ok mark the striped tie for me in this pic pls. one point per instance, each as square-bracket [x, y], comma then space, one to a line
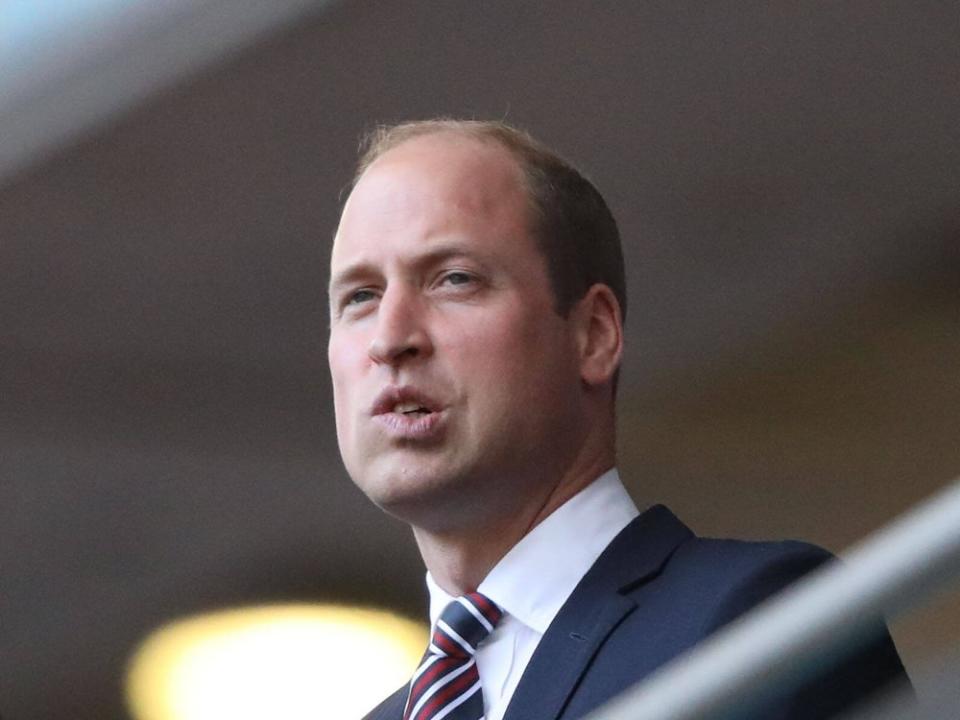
[447, 684]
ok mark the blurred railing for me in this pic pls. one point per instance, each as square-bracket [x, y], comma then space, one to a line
[781, 644]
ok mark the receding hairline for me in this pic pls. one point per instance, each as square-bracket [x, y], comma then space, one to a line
[468, 148]
[386, 142]
[384, 138]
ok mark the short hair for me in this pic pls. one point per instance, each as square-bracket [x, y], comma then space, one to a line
[572, 224]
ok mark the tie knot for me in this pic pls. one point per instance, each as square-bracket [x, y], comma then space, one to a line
[464, 624]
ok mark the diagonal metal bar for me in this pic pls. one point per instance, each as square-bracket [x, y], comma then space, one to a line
[777, 646]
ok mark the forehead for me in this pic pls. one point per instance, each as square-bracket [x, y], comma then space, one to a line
[435, 184]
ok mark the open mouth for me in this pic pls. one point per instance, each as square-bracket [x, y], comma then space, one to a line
[406, 414]
[406, 405]
[411, 409]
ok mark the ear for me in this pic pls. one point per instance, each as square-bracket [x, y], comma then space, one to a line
[599, 335]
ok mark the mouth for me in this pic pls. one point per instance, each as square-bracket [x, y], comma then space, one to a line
[406, 413]
[411, 409]
[406, 401]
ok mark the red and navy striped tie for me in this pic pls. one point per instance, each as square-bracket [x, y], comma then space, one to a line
[447, 684]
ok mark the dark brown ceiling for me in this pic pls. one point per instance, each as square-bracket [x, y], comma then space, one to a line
[786, 177]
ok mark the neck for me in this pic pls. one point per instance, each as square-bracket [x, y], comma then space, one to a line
[459, 560]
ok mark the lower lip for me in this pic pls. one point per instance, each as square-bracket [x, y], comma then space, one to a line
[421, 428]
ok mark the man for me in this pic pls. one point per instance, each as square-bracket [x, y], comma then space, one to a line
[477, 296]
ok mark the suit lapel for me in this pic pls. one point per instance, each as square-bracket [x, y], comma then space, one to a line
[592, 612]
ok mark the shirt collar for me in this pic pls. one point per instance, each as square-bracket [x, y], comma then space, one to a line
[576, 532]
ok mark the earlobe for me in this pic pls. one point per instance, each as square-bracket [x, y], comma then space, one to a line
[599, 335]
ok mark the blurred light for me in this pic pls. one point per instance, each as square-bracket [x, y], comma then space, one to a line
[283, 662]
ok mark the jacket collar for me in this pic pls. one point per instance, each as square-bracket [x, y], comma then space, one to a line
[596, 607]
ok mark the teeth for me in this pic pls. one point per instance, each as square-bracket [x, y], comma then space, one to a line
[407, 407]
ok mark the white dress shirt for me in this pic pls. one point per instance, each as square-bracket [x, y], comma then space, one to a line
[533, 581]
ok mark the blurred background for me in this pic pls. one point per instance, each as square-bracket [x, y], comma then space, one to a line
[787, 181]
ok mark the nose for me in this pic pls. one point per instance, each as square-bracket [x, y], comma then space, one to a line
[401, 332]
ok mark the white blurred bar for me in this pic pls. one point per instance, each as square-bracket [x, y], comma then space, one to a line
[892, 570]
[62, 74]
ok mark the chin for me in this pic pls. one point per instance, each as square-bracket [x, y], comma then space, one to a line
[389, 489]
[427, 501]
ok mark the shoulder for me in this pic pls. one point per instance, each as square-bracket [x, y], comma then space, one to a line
[661, 565]
[708, 582]
[686, 587]
[743, 558]
[739, 574]
[680, 587]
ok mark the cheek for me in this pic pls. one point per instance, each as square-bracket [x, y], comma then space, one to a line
[345, 346]
[341, 418]
[505, 354]
[344, 358]
[347, 357]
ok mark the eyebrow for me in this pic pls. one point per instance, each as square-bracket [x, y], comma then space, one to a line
[349, 276]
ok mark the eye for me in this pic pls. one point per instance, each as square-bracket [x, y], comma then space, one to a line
[457, 277]
[359, 296]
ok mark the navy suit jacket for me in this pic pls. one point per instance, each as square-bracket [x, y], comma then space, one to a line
[653, 593]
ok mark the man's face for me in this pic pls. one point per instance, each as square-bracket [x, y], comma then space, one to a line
[456, 384]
